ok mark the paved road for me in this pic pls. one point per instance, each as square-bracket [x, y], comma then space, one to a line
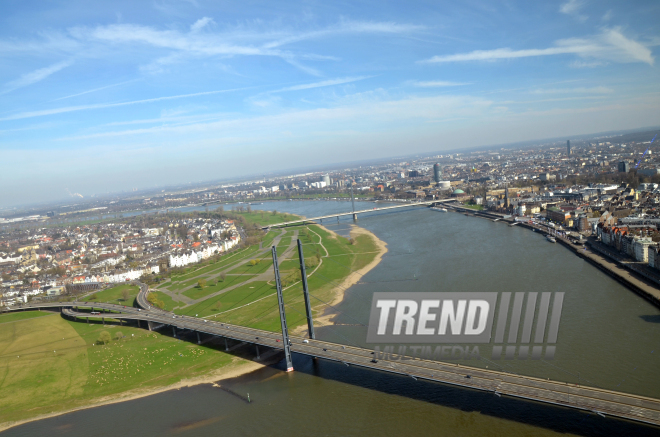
[606, 402]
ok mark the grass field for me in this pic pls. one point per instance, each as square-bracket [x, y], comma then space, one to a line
[114, 295]
[49, 364]
[22, 315]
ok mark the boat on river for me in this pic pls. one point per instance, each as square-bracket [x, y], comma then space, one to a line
[551, 238]
[439, 209]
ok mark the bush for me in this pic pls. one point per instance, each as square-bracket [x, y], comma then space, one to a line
[118, 335]
[104, 338]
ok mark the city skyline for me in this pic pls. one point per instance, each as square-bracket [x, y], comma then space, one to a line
[172, 92]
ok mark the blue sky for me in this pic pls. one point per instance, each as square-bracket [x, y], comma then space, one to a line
[129, 94]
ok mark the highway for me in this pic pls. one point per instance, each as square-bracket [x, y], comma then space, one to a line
[600, 401]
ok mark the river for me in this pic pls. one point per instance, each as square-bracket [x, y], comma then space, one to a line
[609, 337]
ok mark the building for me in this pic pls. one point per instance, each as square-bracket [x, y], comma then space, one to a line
[437, 173]
[648, 171]
[326, 178]
[568, 147]
[557, 215]
[624, 167]
[413, 174]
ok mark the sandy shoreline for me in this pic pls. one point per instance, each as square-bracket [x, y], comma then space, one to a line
[354, 277]
[238, 367]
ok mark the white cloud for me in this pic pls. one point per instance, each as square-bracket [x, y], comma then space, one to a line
[346, 27]
[200, 24]
[93, 90]
[586, 64]
[323, 83]
[31, 114]
[34, 76]
[572, 7]
[579, 90]
[437, 83]
[610, 45]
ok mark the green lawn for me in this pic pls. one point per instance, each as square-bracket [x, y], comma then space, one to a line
[114, 295]
[22, 315]
[239, 296]
[51, 364]
[263, 314]
[170, 304]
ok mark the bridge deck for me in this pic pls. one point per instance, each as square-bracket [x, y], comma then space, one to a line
[628, 406]
[341, 214]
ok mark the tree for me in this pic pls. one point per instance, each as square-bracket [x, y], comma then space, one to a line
[118, 335]
[125, 295]
[274, 212]
[201, 283]
[249, 209]
[104, 338]
[352, 241]
[223, 276]
[254, 262]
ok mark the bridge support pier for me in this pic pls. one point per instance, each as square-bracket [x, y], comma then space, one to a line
[199, 341]
[103, 320]
[257, 346]
[174, 330]
[226, 345]
[88, 320]
[354, 217]
[138, 320]
[121, 322]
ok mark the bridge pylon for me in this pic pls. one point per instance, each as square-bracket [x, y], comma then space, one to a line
[308, 307]
[280, 303]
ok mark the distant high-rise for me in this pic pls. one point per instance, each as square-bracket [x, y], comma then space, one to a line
[568, 147]
[326, 178]
[624, 167]
[437, 173]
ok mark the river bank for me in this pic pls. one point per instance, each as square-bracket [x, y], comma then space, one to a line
[328, 316]
[239, 367]
[598, 258]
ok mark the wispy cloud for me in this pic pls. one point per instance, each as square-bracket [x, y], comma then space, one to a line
[586, 64]
[437, 83]
[22, 115]
[610, 45]
[346, 27]
[200, 24]
[579, 90]
[34, 76]
[572, 7]
[323, 83]
[93, 91]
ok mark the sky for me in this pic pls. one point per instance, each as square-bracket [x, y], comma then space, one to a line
[113, 95]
